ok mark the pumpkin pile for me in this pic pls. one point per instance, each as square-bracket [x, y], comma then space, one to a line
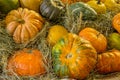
[59, 39]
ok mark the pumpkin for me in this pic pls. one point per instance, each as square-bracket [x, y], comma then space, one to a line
[98, 6]
[8, 5]
[73, 57]
[114, 41]
[116, 22]
[51, 9]
[26, 62]
[108, 62]
[55, 33]
[23, 24]
[97, 39]
[112, 5]
[31, 4]
[88, 13]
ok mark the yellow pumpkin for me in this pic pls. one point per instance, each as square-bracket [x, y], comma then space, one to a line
[31, 4]
[23, 24]
[55, 33]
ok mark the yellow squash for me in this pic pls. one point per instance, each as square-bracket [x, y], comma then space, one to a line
[98, 6]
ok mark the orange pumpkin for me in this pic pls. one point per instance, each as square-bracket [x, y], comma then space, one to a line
[23, 24]
[108, 62]
[27, 62]
[97, 39]
[73, 57]
[116, 22]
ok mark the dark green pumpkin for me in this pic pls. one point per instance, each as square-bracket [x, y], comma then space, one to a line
[7, 5]
[88, 13]
[51, 9]
[73, 57]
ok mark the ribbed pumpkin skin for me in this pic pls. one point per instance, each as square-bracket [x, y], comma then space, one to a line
[23, 24]
[116, 22]
[97, 39]
[27, 62]
[108, 62]
[73, 57]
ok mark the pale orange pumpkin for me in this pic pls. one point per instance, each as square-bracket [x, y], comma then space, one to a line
[97, 39]
[23, 24]
[26, 62]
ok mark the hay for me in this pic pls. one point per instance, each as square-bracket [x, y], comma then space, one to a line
[8, 46]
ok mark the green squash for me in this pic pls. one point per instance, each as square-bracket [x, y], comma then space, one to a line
[114, 41]
[51, 9]
[88, 13]
[73, 57]
[7, 5]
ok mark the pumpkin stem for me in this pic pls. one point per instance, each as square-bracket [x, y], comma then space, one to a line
[98, 2]
[29, 51]
[20, 21]
[68, 56]
[98, 34]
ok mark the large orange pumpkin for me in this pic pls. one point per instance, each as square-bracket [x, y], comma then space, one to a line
[73, 57]
[97, 39]
[116, 22]
[27, 62]
[23, 24]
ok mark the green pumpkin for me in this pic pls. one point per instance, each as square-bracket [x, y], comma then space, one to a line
[7, 5]
[88, 13]
[73, 57]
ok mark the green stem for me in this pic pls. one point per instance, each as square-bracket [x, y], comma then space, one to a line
[20, 21]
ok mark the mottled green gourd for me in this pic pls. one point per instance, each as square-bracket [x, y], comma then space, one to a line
[88, 13]
[73, 57]
[7, 5]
